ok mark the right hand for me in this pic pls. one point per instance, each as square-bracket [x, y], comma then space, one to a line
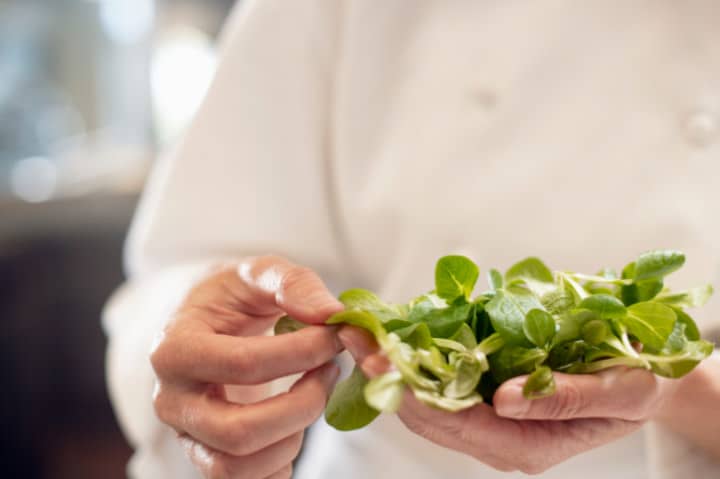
[215, 339]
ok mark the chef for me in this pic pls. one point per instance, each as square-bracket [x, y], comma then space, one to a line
[350, 143]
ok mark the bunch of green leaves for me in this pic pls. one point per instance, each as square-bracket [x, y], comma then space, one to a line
[453, 350]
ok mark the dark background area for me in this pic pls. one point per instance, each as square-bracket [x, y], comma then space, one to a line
[59, 263]
[91, 92]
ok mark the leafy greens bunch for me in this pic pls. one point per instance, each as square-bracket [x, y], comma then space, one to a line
[453, 350]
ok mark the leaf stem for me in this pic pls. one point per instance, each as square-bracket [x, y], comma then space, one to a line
[633, 362]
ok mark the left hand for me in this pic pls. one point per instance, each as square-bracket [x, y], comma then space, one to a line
[587, 411]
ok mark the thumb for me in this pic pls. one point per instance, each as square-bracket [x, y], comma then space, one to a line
[275, 282]
[620, 393]
[364, 349]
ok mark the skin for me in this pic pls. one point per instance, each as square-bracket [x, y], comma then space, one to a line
[215, 341]
[587, 411]
[213, 347]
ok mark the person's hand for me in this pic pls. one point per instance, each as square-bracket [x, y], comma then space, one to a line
[215, 340]
[530, 436]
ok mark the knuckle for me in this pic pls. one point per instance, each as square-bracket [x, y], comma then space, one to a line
[243, 360]
[162, 403]
[296, 443]
[219, 467]
[160, 359]
[295, 278]
[313, 405]
[642, 407]
[501, 466]
[238, 438]
[313, 347]
[284, 473]
[420, 427]
[567, 404]
[251, 268]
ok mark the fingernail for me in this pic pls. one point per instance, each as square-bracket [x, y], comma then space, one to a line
[322, 301]
[339, 345]
[346, 338]
[331, 372]
[511, 402]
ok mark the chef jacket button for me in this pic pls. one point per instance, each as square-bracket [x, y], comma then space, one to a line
[485, 98]
[702, 128]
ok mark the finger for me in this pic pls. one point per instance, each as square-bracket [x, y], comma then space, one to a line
[631, 394]
[240, 430]
[222, 359]
[359, 342]
[273, 461]
[297, 290]
[508, 445]
[375, 365]
[476, 431]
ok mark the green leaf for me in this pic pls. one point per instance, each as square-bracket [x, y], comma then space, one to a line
[490, 344]
[565, 354]
[604, 306]
[385, 392]
[533, 272]
[468, 371]
[360, 319]
[465, 336]
[539, 384]
[691, 330]
[482, 325]
[434, 362]
[513, 361]
[407, 361]
[640, 291]
[286, 325]
[680, 363]
[677, 341]
[648, 289]
[628, 271]
[539, 327]
[443, 323]
[444, 403]
[495, 279]
[569, 325]
[651, 323]
[395, 324]
[448, 345]
[558, 302]
[455, 277]
[364, 300]
[594, 332]
[627, 361]
[423, 305]
[507, 312]
[657, 263]
[603, 351]
[416, 335]
[691, 298]
[572, 287]
[347, 409]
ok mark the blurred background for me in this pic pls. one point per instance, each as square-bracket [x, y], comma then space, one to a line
[91, 91]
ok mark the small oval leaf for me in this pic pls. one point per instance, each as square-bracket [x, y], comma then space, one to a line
[539, 327]
[606, 306]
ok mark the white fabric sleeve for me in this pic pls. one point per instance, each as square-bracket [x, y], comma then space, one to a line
[251, 176]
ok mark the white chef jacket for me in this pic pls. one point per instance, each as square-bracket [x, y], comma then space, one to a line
[365, 139]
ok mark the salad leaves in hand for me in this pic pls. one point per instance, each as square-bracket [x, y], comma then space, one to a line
[452, 350]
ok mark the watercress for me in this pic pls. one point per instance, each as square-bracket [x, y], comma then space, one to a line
[452, 350]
